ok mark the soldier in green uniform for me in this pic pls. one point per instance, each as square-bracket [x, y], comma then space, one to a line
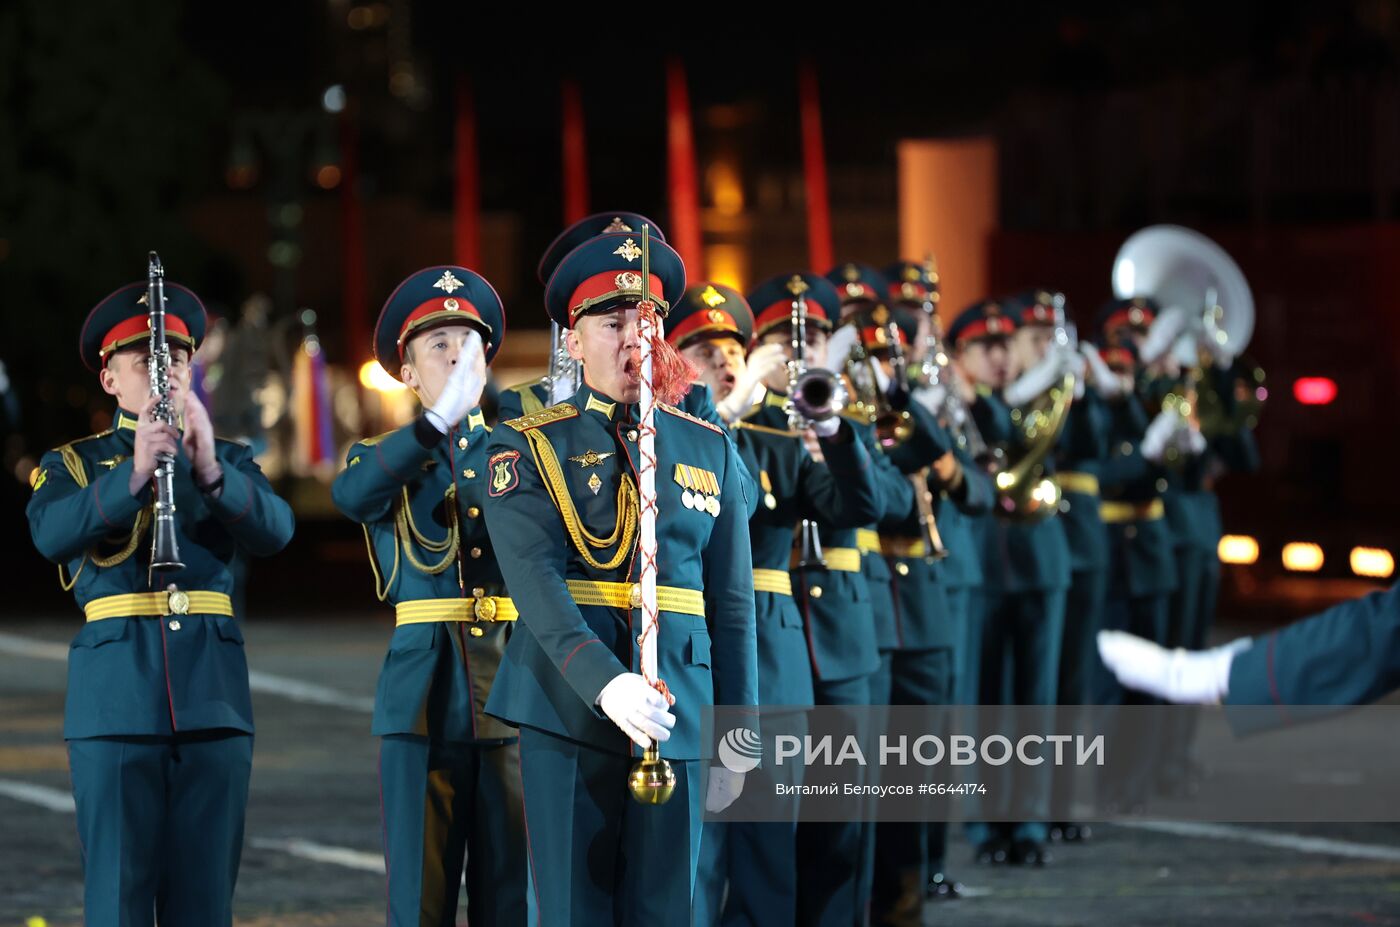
[449, 773]
[1026, 573]
[1193, 515]
[830, 592]
[158, 718]
[563, 510]
[921, 668]
[1142, 574]
[1082, 445]
[524, 398]
[711, 326]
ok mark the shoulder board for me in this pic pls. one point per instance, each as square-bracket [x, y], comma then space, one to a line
[371, 442]
[527, 386]
[686, 415]
[100, 434]
[764, 429]
[544, 416]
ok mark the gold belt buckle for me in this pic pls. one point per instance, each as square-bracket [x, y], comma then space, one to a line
[634, 596]
[484, 608]
[177, 600]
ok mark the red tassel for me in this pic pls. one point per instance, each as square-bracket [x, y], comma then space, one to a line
[671, 374]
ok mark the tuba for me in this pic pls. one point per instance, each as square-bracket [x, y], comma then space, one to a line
[1181, 268]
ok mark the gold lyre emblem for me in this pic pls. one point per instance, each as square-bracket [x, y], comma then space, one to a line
[628, 251]
[712, 297]
[591, 458]
[448, 282]
[500, 479]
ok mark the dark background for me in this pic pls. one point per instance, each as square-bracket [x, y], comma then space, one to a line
[198, 129]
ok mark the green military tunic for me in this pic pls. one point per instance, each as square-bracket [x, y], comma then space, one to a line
[158, 716]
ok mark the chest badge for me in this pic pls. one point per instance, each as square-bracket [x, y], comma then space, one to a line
[111, 462]
[595, 484]
[769, 500]
[591, 458]
[699, 489]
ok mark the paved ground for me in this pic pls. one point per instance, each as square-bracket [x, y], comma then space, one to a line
[312, 854]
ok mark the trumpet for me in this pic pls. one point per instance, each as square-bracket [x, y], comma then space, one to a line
[892, 426]
[814, 394]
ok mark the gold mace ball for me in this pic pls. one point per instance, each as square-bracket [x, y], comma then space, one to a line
[652, 779]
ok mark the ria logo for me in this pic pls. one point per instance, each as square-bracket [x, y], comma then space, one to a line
[740, 750]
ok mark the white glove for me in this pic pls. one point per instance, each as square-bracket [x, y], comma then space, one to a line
[725, 786]
[1161, 434]
[839, 346]
[765, 359]
[1185, 677]
[827, 427]
[932, 397]
[462, 391]
[1035, 381]
[1105, 381]
[637, 709]
[1224, 358]
[1163, 334]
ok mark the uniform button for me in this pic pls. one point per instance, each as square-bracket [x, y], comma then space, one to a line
[466, 474]
[1161, 485]
[1130, 532]
[478, 592]
[462, 443]
[469, 473]
[477, 632]
[816, 592]
[174, 625]
[1126, 449]
[473, 511]
[902, 569]
[476, 553]
[631, 434]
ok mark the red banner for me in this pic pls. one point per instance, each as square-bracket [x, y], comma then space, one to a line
[684, 230]
[819, 248]
[575, 154]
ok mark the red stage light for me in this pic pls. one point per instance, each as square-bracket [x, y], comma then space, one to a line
[1314, 391]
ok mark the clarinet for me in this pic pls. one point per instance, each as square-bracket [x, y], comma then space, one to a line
[165, 551]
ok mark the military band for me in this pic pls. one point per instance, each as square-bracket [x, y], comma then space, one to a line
[850, 509]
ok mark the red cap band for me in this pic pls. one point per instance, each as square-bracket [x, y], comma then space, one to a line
[711, 320]
[446, 309]
[138, 327]
[781, 311]
[613, 281]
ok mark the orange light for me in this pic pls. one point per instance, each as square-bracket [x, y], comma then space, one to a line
[1239, 549]
[375, 377]
[328, 177]
[1314, 391]
[1373, 562]
[1302, 557]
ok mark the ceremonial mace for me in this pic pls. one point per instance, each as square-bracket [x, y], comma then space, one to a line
[652, 779]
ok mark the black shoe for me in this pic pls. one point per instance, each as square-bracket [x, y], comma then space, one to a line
[994, 851]
[1028, 853]
[942, 888]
